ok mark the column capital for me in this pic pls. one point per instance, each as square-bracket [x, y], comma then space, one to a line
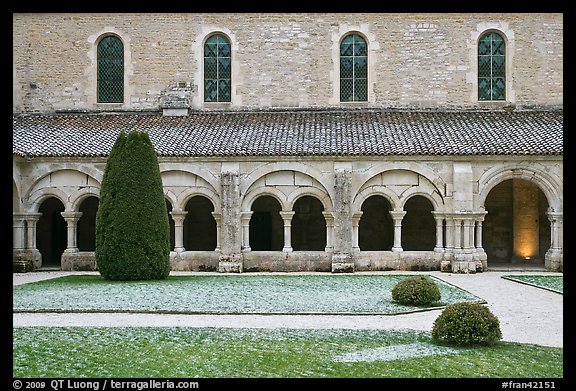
[71, 215]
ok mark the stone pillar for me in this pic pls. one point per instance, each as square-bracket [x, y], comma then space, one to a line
[397, 216]
[467, 235]
[18, 231]
[71, 219]
[481, 256]
[355, 224]
[439, 218]
[287, 218]
[25, 255]
[230, 259]
[329, 218]
[218, 220]
[178, 216]
[457, 234]
[553, 259]
[245, 222]
[342, 261]
[449, 235]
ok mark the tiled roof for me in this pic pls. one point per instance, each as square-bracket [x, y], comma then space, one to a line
[298, 133]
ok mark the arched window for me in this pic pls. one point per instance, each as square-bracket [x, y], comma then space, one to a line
[353, 69]
[217, 69]
[110, 70]
[491, 67]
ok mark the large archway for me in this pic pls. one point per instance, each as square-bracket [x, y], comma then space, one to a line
[516, 229]
[51, 233]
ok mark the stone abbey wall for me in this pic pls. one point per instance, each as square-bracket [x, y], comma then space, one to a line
[284, 60]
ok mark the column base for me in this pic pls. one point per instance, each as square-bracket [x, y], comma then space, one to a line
[24, 261]
[231, 263]
[342, 263]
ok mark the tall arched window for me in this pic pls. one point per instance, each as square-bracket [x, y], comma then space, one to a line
[217, 69]
[353, 69]
[110, 70]
[491, 67]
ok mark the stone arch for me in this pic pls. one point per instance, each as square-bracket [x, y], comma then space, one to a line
[51, 230]
[199, 225]
[64, 183]
[266, 225]
[418, 224]
[308, 230]
[36, 198]
[431, 195]
[302, 168]
[388, 194]
[77, 198]
[375, 227]
[180, 185]
[383, 168]
[200, 172]
[551, 187]
[16, 204]
[255, 193]
[324, 198]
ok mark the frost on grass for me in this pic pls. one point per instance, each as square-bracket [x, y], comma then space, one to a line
[241, 294]
[396, 352]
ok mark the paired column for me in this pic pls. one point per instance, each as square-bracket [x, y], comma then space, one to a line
[397, 217]
[287, 218]
[71, 219]
[178, 216]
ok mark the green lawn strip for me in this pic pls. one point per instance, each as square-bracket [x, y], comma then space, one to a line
[74, 352]
[227, 294]
[551, 283]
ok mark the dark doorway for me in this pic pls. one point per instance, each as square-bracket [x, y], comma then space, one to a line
[86, 229]
[418, 225]
[51, 233]
[199, 225]
[376, 228]
[266, 225]
[308, 225]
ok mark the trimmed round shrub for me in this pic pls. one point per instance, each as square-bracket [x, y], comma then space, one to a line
[467, 324]
[416, 290]
[132, 228]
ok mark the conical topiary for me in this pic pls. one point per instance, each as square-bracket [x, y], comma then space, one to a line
[132, 229]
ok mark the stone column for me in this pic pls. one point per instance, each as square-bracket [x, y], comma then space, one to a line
[18, 231]
[218, 220]
[439, 218]
[30, 254]
[397, 216]
[449, 234]
[245, 222]
[342, 261]
[329, 218]
[355, 224]
[71, 219]
[287, 218]
[178, 216]
[467, 235]
[230, 259]
[553, 259]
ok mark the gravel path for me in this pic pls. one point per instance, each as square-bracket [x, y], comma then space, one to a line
[527, 314]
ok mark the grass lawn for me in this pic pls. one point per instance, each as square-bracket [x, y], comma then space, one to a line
[267, 353]
[551, 283]
[230, 294]
[179, 352]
